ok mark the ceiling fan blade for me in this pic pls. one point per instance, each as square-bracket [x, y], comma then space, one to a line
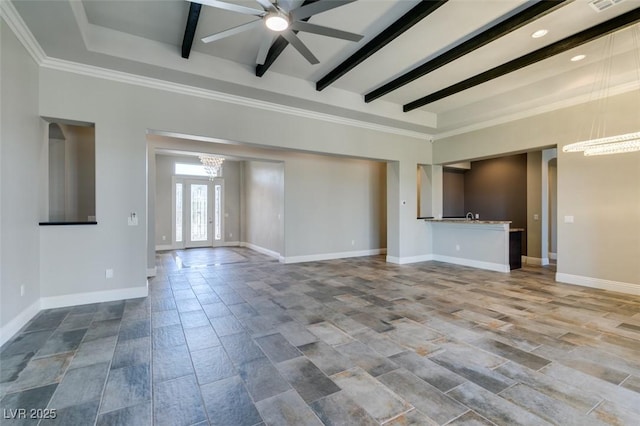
[232, 7]
[264, 47]
[289, 5]
[325, 31]
[231, 31]
[317, 7]
[299, 46]
[267, 5]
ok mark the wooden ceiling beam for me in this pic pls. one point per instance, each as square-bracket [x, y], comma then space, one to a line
[190, 28]
[586, 36]
[520, 19]
[409, 19]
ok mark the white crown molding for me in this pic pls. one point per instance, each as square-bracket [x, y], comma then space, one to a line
[565, 103]
[617, 286]
[22, 32]
[20, 29]
[152, 83]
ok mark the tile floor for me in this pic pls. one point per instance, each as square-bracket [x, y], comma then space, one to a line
[229, 337]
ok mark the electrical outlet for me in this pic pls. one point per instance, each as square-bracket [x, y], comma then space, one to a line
[353, 242]
[536, 217]
[132, 219]
[108, 273]
[568, 219]
[164, 238]
[230, 235]
[457, 247]
[477, 215]
[22, 290]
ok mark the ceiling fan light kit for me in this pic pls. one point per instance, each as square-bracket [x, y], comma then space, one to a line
[277, 21]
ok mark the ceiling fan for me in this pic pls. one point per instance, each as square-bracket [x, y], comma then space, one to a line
[282, 18]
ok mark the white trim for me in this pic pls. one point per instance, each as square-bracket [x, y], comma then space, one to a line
[152, 272]
[498, 267]
[163, 247]
[545, 261]
[19, 321]
[411, 259]
[331, 256]
[528, 260]
[167, 86]
[549, 107]
[617, 286]
[262, 250]
[553, 256]
[93, 297]
[22, 32]
[230, 244]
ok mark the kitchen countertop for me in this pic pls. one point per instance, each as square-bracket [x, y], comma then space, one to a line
[471, 222]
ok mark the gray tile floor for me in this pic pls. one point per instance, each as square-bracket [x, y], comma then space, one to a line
[229, 337]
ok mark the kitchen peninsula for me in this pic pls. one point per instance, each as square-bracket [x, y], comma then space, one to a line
[477, 243]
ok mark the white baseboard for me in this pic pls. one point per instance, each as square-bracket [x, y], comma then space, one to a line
[151, 272]
[409, 259]
[164, 247]
[331, 256]
[553, 256]
[545, 261]
[93, 297]
[617, 286]
[262, 250]
[9, 330]
[537, 261]
[231, 244]
[498, 267]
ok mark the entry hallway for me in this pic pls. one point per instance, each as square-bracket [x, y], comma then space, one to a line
[230, 337]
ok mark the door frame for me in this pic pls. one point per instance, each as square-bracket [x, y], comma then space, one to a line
[186, 181]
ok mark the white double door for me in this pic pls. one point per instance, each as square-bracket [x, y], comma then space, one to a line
[201, 217]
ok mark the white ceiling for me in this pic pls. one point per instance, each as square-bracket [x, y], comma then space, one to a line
[144, 37]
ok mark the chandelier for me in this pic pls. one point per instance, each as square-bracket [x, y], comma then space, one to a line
[597, 144]
[212, 165]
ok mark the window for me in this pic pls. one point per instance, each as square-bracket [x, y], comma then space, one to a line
[72, 174]
[190, 170]
[178, 212]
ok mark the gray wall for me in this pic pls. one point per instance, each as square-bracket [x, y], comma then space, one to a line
[264, 205]
[23, 148]
[553, 205]
[163, 193]
[335, 205]
[453, 193]
[534, 204]
[497, 189]
[80, 180]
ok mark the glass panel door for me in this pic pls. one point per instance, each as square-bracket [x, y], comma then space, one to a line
[198, 214]
[199, 221]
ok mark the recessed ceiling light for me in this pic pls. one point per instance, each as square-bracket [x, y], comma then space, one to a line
[539, 33]
[578, 58]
